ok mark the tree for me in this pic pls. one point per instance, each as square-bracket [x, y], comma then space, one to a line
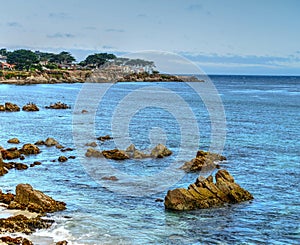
[3, 52]
[62, 58]
[98, 59]
[22, 58]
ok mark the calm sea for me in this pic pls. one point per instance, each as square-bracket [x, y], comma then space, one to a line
[261, 125]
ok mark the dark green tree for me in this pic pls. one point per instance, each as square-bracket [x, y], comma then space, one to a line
[3, 52]
[62, 58]
[98, 59]
[22, 58]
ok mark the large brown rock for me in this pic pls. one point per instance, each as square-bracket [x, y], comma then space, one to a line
[91, 152]
[11, 107]
[160, 151]
[204, 193]
[34, 200]
[11, 153]
[204, 161]
[21, 223]
[50, 142]
[29, 149]
[115, 154]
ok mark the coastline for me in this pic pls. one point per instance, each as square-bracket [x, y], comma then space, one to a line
[82, 76]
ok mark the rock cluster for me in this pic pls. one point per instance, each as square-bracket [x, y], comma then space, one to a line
[21, 223]
[159, 151]
[58, 105]
[204, 193]
[15, 241]
[203, 161]
[14, 152]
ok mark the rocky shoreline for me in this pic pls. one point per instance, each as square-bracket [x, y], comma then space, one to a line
[97, 76]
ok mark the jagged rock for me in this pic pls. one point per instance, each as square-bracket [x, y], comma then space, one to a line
[34, 200]
[13, 141]
[160, 151]
[58, 105]
[21, 223]
[30, 107]
[20, 166]
[62, 159]
[203, 161]
[131, 148]
[92, 144]
[115, 154]
[16, 240]
[139, 155]
[51, 142]
[104, 138]
[11, 153]
[204, 193]
[6, 198]
[93, 153]
[29, 149]
[11, 107]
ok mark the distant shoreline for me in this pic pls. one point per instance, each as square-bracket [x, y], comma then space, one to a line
[82, 76]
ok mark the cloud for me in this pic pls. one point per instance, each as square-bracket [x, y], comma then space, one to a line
[195, 7]
[60, 15]
[142, 16]
[108, 47]
[92, 28]
[114, 30]
[61, 35]
[14, 24]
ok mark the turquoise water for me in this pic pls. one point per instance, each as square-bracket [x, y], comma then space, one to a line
[262, 147]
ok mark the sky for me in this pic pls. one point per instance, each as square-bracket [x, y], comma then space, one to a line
[220, 37]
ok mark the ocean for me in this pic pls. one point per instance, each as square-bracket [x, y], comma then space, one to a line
[252, 120]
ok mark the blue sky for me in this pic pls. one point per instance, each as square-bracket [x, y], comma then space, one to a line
[221, 37]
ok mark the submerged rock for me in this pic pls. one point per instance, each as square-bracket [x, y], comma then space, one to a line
[160, 151]
[204, 193]
[204, 161]
[34, 200]
[115, 154]
[104, 138]
[30, 107]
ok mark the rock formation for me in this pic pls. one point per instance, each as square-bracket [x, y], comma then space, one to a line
[21, 223]
[11, 107]
[30, 107]
[160, 151]
[58, 105]
[204, 193]
[34, 201]
[13, 141]
[50, 142]
[203, 161]
[115, 154]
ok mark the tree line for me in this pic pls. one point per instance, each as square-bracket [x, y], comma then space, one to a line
[24, 59]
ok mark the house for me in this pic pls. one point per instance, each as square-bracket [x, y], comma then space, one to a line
[6, 66]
